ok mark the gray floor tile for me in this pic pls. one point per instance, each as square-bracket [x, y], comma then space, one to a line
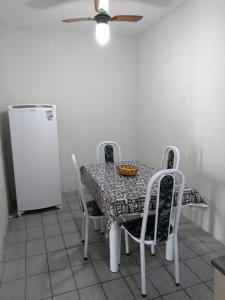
[162, 280]
[98, 251]
[74, 204]
[185, 252]
[198, 231]
[92, 293]
[35, 233]
[52, 230]
[13, 290]
[68, 227]
[65, 207]
[180, 295]
[34, 220]
[36, 265]
[35, 247]
[210, 284]
[48, 212]
[197, 246]
[187, 277]
[208, 257]
[128, 265]
[85, 275]
[183, 234]
[67, 296]
[1, 267]
[14, 269]
[54, 243]
[15, 237]
[134, 283]
[50, 219]
[76, 256]
[151, 262]
[38, 287]
[117, 290]
[65, 216]
[160, 255]
[94, 236]
[103, 271]
[212, 243]
[200, 268]
[77, 214]
[15, 251]
[17, 224]
[72, 239]
[58, 260]
[62, 281]
[200, 291]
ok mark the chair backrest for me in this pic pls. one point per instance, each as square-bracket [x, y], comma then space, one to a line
[108, 152]
[166, 185]
[171, 158]
[83, 205]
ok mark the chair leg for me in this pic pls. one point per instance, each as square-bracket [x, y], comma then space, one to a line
[83, 229]
[143, 277]
[152, 249]
[176, 261]
[102, 226]
[119, 247]
[127, 243]
[86, 238]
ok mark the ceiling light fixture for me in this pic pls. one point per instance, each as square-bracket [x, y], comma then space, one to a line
[102, 19]
[102, 33]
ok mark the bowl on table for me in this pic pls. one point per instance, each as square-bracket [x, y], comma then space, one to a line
[127, 170]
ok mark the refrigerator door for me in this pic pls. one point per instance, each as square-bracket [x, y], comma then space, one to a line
[35, 157]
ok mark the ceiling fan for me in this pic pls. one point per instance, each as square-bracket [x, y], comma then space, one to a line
[102, 19]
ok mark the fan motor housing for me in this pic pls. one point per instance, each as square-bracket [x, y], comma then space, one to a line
[102, 17]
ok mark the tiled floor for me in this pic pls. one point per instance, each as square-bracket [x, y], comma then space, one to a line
[44, 260]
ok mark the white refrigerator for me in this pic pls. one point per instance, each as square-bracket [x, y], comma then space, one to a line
[34, 139]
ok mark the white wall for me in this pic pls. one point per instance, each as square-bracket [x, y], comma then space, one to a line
[181, 99]
[93, 87]
[3, 194]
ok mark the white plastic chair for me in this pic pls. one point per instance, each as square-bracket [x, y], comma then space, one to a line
[89, 209]
[152, 229]
[171, 158]
[112, 155]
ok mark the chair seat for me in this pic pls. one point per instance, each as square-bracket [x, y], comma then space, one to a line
[134, 228]
[93, 209]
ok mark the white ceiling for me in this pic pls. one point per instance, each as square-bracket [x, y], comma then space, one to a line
[47, 14]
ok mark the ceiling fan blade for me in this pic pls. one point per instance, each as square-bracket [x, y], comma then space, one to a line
[126, 18]
[77, 20]
[96, 4]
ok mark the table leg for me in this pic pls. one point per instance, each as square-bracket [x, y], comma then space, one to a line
[114, 235]
[97, 224]
[169, 248]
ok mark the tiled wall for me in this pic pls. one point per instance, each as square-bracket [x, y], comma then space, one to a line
[181, 100]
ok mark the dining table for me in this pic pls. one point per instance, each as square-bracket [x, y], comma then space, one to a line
[121, 196]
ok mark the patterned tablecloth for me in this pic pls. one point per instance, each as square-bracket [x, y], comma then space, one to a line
[119, 195]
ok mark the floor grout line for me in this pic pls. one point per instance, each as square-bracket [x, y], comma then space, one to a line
[91, 261]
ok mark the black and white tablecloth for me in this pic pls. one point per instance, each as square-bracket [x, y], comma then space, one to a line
[119, 195]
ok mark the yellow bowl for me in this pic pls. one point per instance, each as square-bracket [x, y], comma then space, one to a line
[127, 170]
